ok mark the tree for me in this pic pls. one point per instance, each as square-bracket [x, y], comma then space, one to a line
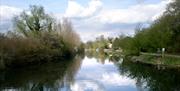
[33, 22]
[171, 19]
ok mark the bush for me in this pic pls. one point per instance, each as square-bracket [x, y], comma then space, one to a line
[35, 42]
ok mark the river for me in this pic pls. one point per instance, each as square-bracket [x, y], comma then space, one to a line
[89, 73]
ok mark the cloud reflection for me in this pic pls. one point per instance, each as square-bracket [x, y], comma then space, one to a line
[94, 76]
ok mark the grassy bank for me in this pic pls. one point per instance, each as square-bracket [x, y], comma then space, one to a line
[157, 60]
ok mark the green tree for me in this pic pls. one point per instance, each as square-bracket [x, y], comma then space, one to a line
[33, 21]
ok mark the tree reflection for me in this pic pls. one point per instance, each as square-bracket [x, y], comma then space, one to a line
[102, 56]
[52, 76]
[148, 77]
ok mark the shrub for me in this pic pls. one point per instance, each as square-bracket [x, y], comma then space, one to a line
[38, 38]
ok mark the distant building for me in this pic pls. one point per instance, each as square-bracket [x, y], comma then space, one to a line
[110, 45]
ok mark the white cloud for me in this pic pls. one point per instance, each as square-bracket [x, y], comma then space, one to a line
[7, 12]
[134, 14]
[92, 20]
[93, 7]
[74, 9]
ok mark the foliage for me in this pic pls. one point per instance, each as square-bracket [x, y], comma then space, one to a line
[37, 37]
[30, 24]
[100, 43]
[162, 33]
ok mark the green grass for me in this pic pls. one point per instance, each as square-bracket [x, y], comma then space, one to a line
[171, 61]
[167, 61]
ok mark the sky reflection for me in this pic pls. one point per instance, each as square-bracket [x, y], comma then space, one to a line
[94, 76]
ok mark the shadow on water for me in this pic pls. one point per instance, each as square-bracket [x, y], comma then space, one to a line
[150, 78]
[52, 76]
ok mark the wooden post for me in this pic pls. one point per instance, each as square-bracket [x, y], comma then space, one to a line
[163, 53]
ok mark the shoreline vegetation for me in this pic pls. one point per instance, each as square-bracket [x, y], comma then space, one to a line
[161, 36]
[37, 38]
[158, 61]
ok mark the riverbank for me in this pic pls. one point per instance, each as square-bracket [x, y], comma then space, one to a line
[157, 60]
[38, 38]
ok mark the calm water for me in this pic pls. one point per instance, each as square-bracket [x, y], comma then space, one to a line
[90, 74]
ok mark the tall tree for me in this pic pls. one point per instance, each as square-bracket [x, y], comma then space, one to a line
[34, 21]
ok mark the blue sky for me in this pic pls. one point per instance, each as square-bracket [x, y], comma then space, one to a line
[91, 18]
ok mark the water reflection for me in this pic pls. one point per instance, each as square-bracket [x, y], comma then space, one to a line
[102, 77]
[56, 76]
[102, 56]
[95, 72]
[150, 78]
